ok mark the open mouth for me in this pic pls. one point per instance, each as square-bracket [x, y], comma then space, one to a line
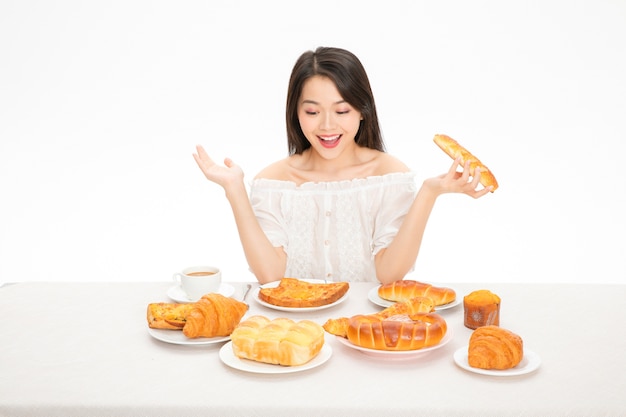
[329, 141]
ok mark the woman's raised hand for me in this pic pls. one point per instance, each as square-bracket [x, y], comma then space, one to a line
[225, 176]
[464, 182]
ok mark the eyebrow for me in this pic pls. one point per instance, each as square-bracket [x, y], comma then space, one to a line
[316, 103]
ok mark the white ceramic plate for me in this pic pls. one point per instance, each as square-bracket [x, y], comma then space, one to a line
[372, 295]
[400, 354]
[295, 309]
[228, 357]
[178, 338]
[177, 294]
[529, 363]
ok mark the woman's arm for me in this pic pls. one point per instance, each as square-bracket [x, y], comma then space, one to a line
[395, 261]
[266, 262]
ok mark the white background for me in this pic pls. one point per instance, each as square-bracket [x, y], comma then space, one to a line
[102, 104]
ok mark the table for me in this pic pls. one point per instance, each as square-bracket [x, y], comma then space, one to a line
[83, 349]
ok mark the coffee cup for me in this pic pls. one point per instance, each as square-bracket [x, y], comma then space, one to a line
[196, 281]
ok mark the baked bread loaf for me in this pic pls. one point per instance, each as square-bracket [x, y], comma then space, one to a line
[280, 341]
[453, 149]
[171, 316]
[292, 292]
[214, 315]
[397, 333]
[492, 347]
[404, 290]
[339, 327]
[481, 308]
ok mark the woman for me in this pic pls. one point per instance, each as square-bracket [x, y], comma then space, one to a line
[338, 207]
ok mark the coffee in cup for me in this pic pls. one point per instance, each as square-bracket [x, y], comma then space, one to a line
[196, 281]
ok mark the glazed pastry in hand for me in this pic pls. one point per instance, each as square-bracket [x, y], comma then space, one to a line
[492, 347]
[214, 315]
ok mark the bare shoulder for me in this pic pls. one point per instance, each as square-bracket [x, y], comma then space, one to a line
[387, 164]
[274, 171]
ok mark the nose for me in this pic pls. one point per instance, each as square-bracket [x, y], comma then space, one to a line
[327, 121]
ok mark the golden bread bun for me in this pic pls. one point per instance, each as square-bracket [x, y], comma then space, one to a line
[404, 290]
[280, 341]
[454, 149]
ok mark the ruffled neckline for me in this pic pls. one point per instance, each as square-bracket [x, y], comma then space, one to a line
[377, 180]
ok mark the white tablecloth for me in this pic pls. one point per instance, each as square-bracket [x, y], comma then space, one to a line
[83, 349]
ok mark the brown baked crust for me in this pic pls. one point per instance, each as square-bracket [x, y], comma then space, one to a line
[404, 290]
[170, 316]
[481, 308]
[397, 333]
[339, 327]
[214, 315]
[492, 347]
[292, 292]
[454, 149]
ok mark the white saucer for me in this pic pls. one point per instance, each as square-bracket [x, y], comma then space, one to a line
[530, 362]
[177, 294]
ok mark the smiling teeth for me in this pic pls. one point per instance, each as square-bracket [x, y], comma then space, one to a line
[330, 138]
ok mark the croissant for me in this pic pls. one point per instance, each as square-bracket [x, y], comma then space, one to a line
[403, 290]
[397, 333]
[339, 327]
[492, 347]
[453, 149]
[214, 315]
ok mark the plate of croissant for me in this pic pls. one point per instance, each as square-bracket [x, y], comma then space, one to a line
[496, 351]
[209, 320]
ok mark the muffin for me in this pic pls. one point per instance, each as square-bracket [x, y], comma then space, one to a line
[482, 308]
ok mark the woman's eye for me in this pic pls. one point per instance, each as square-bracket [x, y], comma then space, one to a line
[343, 112]
[310, 112]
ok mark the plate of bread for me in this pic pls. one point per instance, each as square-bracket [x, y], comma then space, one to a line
[403, 290]
[397, 354]
[275, 346]
[404, 330]
[209, 320]
[496, 351]
[301, 295]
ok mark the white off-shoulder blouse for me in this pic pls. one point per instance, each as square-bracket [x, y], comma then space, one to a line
[332, 230]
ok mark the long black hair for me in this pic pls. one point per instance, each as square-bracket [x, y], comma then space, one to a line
[350, 78]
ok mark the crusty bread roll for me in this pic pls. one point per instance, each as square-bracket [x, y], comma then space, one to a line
[454, 149]
[397, 333]
[492, 347]
[214, 315]
[404, 290]
[280, 341]
[481, 308]
[339, 327]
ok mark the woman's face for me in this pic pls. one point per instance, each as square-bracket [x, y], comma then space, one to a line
[328, 122]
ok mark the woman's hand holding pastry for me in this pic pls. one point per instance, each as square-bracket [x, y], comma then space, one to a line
[225, 176]
[454, 181]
